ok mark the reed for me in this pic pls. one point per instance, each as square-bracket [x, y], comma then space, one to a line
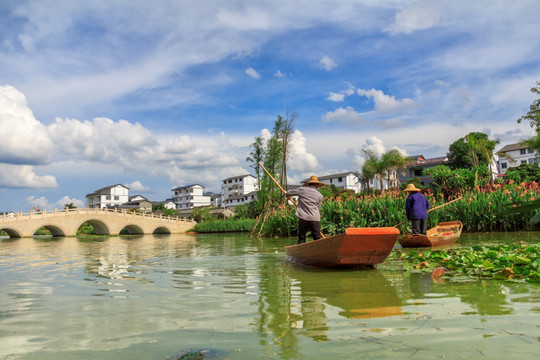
[226, 225]
[481, 210]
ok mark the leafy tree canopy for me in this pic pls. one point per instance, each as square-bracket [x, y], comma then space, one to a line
[471, 150]
[533, 116]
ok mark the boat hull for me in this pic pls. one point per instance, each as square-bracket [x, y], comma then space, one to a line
[446, 233]
[355, 247]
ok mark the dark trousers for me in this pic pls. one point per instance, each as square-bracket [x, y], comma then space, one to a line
[419, 226]
[304, 226]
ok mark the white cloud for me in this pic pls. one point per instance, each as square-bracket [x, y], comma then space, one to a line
[137, 186]
[327, 63]
[24, 139]
[301, 160]
[253, 73]
[279, 74]
[347, 115]
[337, 97]
[386, 103]
[420, 15]
[43, 203]
[23, 176]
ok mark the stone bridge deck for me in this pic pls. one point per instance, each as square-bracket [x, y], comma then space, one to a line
[66, 222]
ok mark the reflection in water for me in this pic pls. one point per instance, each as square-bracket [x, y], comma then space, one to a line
[359, 294]
[150, 297]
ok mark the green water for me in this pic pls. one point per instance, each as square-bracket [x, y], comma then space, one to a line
[232, 297]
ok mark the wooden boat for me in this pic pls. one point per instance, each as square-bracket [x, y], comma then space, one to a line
[355, 247]
[446, 233]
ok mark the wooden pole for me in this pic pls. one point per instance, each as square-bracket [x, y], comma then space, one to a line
[271, 177]
[435, 208]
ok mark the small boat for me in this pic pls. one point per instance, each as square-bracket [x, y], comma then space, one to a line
[356, 247]
[446, 233]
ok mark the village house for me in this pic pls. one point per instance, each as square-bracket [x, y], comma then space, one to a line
[415, 169]
[108, 197]
[516, 154]
[190, 196]
[138, 202]
[344, 181]
[238, 190]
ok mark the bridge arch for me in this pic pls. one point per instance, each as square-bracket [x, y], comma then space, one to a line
[133, 230]
[12, 232]
[55, 230]
[99, 226]
[161, 230]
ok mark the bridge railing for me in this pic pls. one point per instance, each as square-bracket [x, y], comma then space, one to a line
[19, 215]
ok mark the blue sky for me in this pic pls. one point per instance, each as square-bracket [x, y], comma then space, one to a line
[159, 94]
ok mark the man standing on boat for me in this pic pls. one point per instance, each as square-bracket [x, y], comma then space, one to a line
[307, 212]
[416, 207]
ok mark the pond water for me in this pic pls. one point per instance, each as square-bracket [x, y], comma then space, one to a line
[233, 297]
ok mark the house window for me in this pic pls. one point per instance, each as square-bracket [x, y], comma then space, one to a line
[108, 197]
[116, 197]
[523, 161]
[523, 151]
[340, 179]
[504, 165]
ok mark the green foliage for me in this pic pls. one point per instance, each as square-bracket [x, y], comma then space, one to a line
[472, 150]
[226, 225]
[380, 166]
[533, 116]
[201, 214]
[524, 173]
[517, 262]
[86, 229]
[415, 181]
[480, 210]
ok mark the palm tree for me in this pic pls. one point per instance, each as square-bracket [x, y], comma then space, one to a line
[484, 147]
[380, 166]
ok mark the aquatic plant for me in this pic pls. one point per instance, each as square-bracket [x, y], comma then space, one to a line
[508, 262]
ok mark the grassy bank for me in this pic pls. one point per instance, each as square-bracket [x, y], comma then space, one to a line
[227, 225]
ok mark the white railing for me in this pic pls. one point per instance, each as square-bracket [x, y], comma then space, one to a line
[19, 215]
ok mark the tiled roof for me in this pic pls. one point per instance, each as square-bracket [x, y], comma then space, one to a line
[511, 147]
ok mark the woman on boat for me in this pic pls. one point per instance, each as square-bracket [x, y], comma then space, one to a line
[307, 212]
[416, 207]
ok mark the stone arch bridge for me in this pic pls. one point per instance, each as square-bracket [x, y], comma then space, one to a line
[105, 222]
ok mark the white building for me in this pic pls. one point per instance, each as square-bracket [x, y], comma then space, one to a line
[391, 182]
[238, 190]
[190, 196]
[109, 196]
[343, 181]
[521, 154]
[235, 200]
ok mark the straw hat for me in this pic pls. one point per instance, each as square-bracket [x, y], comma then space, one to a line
[411, 188]
[313, 180]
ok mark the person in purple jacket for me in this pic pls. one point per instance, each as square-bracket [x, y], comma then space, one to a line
[309, 204]
[416, 207]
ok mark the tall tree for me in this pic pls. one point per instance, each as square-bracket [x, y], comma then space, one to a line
[380, 166]
[471, 150]
[533, 116]
[287, 129]
[256, 155]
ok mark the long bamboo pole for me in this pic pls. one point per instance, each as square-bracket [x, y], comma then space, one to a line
[435, 208]
[271, 177]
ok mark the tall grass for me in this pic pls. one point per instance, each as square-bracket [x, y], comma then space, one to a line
[226, 225]
[481, 210]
